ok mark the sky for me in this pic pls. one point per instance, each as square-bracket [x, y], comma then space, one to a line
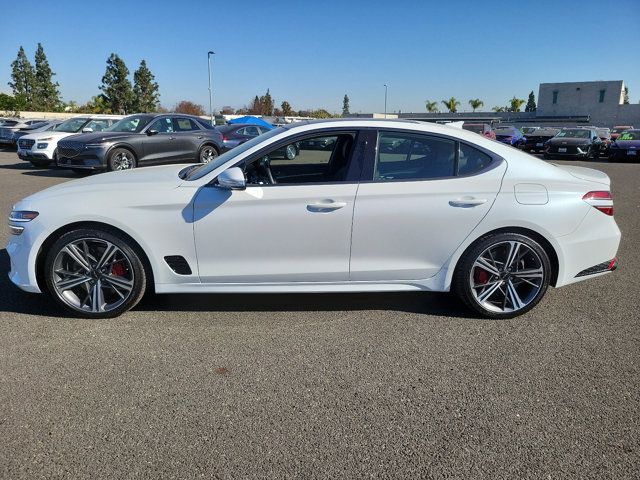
[312, 53]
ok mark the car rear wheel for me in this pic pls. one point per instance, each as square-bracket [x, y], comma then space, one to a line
[121, 159]
[207, 154]
[94, 273]
[503, 275]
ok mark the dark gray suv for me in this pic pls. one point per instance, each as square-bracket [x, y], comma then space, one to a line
[142, 139]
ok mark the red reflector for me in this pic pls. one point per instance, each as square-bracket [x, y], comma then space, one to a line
[598, 195]
[605, 210]
[224, 139]
[612, 264]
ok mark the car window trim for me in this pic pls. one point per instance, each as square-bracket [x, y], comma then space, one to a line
[370, 161]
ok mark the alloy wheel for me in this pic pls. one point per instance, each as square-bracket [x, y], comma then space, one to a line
[506, 277]
[123, 161]
[92, 275]
[208, 154]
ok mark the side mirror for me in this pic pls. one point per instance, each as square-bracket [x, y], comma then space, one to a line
[87, 130]
[232, 179]
[152, 132]
[595, 139]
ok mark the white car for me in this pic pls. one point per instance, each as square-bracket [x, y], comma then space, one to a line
[40, 148]
[392, 206]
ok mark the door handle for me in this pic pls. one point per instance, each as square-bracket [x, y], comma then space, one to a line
[325, 206]
[467, 202]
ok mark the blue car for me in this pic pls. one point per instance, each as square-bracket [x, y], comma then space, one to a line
[511, 136]
[626, 148]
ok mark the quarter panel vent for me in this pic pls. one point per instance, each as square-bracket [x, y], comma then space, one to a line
[178, 264]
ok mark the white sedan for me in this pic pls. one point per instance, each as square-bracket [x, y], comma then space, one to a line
[390, 206]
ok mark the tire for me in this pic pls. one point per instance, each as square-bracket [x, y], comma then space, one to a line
[87, 290]
[121, 159]
[207, 153]
[290, 152]
[506, 293]
[40, 163]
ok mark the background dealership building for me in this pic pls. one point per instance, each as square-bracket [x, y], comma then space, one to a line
[597, 103]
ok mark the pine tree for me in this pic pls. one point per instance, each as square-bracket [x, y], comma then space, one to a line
[145, 90]
[531, 103]
[345, 105]
[116, 87]
[46, 96]
[22, 81]
[625, 98]
[266, 104]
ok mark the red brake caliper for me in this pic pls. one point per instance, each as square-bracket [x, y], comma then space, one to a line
[480, 276]
[117, 269]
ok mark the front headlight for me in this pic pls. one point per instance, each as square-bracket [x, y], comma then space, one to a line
[94, 145]
[22, 216]
[48, 139]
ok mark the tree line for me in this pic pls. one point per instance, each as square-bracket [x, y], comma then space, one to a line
[513, 105]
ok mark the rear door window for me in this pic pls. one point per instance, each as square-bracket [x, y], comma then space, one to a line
[409, 156]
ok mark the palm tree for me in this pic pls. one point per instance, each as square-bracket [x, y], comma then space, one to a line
[451, 104]
[498, 109]
[476, 103]
[432, 107]
[515, 104]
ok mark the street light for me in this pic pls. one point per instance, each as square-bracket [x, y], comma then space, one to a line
[210, 98]
[385, 100]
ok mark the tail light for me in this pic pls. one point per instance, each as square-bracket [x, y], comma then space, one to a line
[601, 200]
[224, 138]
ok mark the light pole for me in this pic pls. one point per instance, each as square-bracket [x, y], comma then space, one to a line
[385, 100]
[210, 97]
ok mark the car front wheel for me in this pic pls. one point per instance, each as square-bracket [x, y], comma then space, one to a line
[502, 275]
[94, 273]
[121, 159]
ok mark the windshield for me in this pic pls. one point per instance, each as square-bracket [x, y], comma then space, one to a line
[473, 127]
[574, 133]
[205, 168]
[72, 125]
[630, 135]
[132, 124]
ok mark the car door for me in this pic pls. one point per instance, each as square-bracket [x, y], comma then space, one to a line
[160, 147]
[424, 194]
[189, 136]
[296, 230]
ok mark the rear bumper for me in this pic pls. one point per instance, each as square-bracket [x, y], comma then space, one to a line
[594, 243]
[622, 155]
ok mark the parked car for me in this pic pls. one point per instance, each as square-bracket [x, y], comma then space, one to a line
[45, 126]
[604, 134]
[235, 134]
[536, 141]
[626, 147]
[483, 129]
[10, 126]
[511, 136]
[574, 143]
[42, 148]
[455, 212]
[618, 129]
[143, 139]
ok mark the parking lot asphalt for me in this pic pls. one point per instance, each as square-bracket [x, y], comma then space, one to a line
[324, 386]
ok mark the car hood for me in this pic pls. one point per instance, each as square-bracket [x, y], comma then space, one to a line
[107, 185]
[569, 141]
[54, 135]
[627, 143]
[588, 174]
[98, 137]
